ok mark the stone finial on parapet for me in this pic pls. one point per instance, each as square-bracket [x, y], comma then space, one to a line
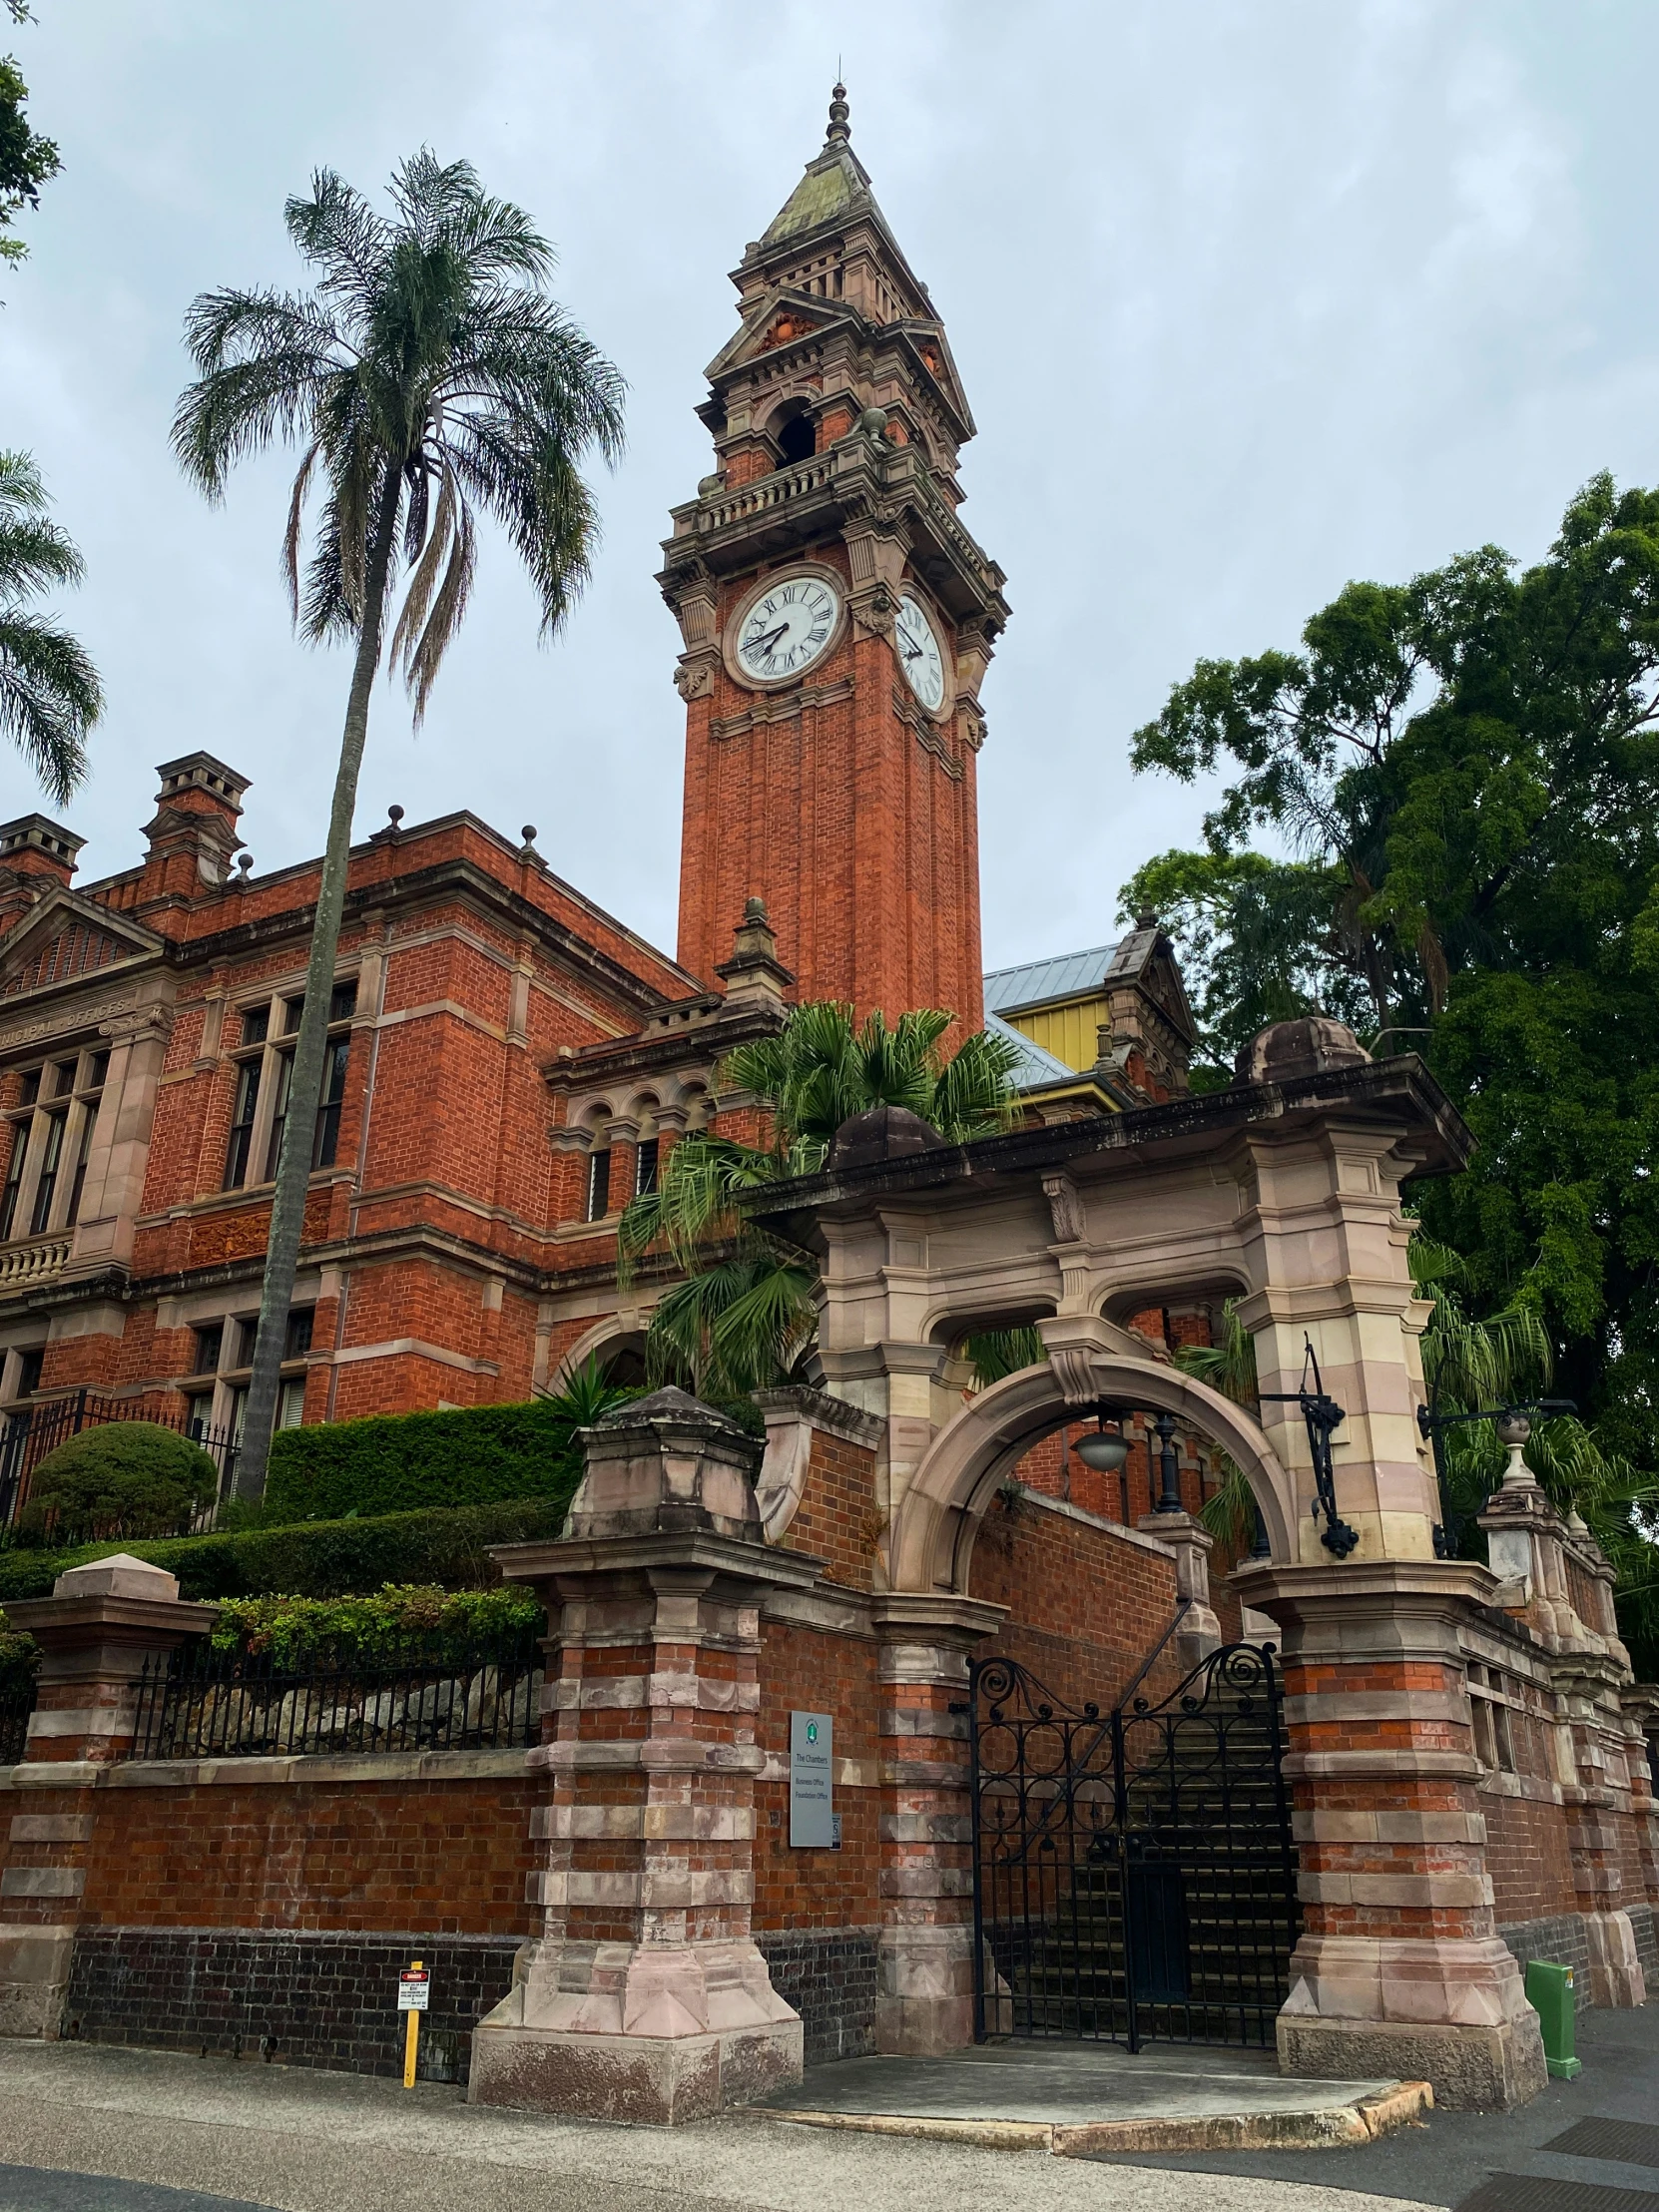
[667, 1464]
[755, 973]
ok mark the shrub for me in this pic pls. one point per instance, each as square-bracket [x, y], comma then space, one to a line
[294, 1627]
[398, 1462]
[19, 1657]
[128, 1479]
[316, 1558]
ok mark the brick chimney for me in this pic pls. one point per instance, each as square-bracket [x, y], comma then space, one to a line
[35, 854]
[193, 834]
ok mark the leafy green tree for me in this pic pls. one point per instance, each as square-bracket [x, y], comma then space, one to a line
[27, 160]
[429, 380]
[746, 1316]
[1458, 783]
[50, 695]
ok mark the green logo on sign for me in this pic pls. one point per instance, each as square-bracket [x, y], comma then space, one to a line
[811, 1732]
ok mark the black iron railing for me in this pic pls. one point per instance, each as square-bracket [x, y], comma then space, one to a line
[17, 1702]
[432, 1695]
[32, 1430]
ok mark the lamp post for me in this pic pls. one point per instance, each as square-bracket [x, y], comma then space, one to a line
[1513, 1425]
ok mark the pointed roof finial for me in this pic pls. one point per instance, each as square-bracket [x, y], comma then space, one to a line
[838, 112]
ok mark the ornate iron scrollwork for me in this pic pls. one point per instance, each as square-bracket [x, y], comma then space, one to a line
[1322, 1415]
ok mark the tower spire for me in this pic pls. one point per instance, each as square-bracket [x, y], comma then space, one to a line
[838, 133]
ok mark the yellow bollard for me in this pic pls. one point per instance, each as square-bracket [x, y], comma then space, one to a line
[413, 1987]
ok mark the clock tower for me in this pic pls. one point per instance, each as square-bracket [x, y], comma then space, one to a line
[838, 620]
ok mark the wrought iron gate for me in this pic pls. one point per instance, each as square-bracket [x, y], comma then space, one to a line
[1134, 1877]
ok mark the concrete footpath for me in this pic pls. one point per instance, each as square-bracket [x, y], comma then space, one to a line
[260, 2139]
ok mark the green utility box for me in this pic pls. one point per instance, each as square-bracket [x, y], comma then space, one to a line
[1549, 1993]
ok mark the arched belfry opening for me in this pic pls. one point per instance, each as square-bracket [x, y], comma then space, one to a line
[796, 440]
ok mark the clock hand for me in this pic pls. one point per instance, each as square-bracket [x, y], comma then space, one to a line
[766, 644]
[915, 651]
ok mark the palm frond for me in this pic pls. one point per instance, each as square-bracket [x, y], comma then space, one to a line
[50, 696]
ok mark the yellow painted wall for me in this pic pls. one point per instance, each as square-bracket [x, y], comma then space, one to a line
[1070, 1030]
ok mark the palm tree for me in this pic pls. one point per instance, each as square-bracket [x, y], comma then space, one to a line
[746, 1313]
[428, 379]
[50, 695]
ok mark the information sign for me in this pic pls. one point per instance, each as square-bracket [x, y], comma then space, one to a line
[811, 1782]
[414, 1988]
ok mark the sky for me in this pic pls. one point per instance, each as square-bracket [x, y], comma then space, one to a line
[1249, 300]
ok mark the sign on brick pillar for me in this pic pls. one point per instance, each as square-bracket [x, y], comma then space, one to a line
[645, 1997]
[96, 1632]
[1399, 1968]
[925, 1987]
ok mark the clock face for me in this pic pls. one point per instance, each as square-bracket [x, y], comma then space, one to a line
[786, 628]
[918, 654]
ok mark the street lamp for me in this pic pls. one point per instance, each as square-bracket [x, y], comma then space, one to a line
[1513, 1425]
[1107, 1451]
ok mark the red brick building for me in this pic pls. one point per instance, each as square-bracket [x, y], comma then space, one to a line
[507, 1062]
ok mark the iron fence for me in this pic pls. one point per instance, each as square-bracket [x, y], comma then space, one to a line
[33, 1431]
[425, 1695]
[17, 1702]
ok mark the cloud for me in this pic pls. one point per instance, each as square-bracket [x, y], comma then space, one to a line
[1249, 300]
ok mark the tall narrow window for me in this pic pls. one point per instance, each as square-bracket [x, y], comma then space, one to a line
[599, 1185]
[28, 1364]
[51, 1160]
[14, 1177]
[209, 1345]
[297, 1339]
[278, 1118]
[83, 1151]
[326, 1140]
[645, 1168]
[290, 1402]
[242, 1125]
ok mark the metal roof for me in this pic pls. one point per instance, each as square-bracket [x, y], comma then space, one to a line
[1066, 975]
[1035, 1065]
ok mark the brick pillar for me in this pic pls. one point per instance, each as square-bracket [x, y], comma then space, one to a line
[925, 1987]
[1400, 1970]
[645, 1998]
[96, 1632]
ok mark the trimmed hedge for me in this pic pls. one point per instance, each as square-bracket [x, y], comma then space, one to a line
[316, 1558]
[400, 1462]
[124, 1478]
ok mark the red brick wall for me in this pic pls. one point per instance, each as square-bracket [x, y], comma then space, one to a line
[1085, 1606]
[806, 1670]
[836, 1521]
[1527, 1858]
[452, 1855]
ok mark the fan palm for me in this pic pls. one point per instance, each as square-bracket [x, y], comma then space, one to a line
[50, 695]
[429, 380]
[746, 1313]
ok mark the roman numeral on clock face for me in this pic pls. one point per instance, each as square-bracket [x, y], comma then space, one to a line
[788, 629]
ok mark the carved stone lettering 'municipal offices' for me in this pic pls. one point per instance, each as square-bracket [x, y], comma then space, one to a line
[635, 1914]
